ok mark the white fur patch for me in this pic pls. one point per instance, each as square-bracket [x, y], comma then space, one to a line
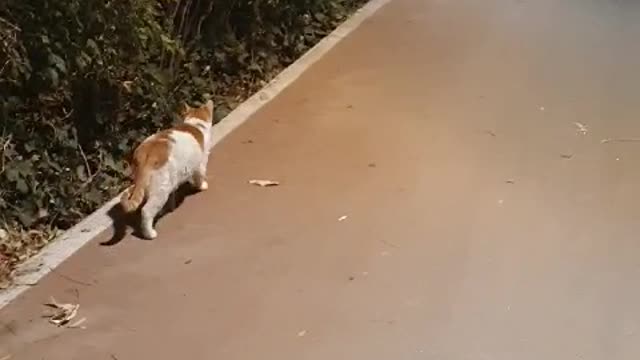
[187, 163]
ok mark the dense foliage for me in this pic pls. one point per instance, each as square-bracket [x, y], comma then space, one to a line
[81, 81]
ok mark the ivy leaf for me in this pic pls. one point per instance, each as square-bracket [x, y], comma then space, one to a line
[26, 218]
[94, 196]
[22, 186]
[12, 174]
[93, 47]
[52, 76]
[58, 62]
[199, 82]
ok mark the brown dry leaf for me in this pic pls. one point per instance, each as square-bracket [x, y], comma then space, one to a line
[63, 313]
[127, 85]
[264, 183]
[582, 129]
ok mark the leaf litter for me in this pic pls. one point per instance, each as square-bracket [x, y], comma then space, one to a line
[63, 313]
[264, 183]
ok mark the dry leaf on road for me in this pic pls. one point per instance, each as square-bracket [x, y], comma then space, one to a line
[605, 141]
[582, 129]
[264, 183]
[63, 313]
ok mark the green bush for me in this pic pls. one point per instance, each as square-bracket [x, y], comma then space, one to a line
[82, 81]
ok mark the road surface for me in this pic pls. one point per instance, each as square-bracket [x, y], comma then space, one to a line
[485, 218]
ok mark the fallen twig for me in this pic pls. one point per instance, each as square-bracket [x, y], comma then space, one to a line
[4, 67]
[56, 272]
[5, 145]
[86, 162]
[9, 24]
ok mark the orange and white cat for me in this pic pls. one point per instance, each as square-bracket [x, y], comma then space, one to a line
[166, 160]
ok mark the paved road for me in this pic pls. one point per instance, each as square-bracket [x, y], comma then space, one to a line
[482, 224]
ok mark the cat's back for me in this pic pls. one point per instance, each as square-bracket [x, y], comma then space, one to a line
[187, 145]
[180, 144]
[187, 138]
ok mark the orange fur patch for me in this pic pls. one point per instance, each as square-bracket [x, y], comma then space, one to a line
[148, 156]
[153, 153]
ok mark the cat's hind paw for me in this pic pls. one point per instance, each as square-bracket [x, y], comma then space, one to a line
[151, 234]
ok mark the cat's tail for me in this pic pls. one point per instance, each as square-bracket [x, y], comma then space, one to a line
[133, 197]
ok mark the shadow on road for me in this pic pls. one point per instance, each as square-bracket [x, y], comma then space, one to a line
[122, 221]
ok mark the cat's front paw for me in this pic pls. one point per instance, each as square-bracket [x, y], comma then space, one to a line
[204, 186]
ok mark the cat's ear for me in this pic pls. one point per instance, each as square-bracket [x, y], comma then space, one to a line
[185, 109]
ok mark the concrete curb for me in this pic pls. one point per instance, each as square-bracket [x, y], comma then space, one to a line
[34, 269]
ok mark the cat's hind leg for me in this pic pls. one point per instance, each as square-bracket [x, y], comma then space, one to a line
[150, 210]
[199, 178]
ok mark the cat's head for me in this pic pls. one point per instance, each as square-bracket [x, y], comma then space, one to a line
[204, 112]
